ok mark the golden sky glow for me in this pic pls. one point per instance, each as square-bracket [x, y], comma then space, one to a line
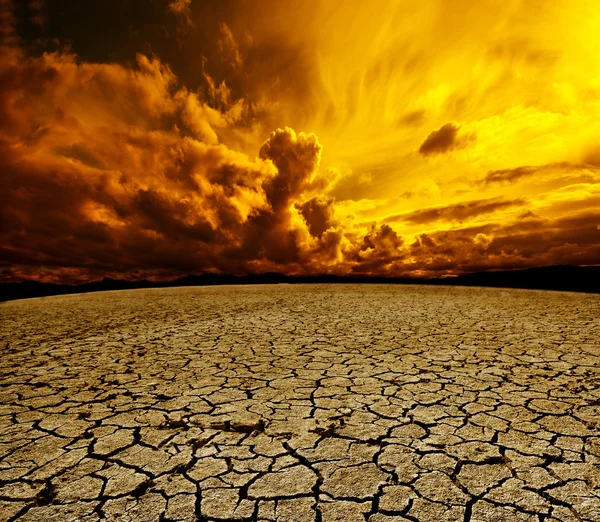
[400, 138]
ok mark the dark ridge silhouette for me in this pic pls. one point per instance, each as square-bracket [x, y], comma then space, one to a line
[566, 278]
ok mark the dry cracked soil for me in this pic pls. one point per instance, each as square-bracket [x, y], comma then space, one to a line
[301, 403]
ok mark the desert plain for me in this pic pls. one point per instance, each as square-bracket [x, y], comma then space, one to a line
[301, 403]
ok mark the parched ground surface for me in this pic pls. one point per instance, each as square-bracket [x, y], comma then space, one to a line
[379, 403]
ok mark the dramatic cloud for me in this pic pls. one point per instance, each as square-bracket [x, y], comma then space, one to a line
[318, 214]
[379, 251]
[521, 245]
[93, 179]
[116, 184]
[296, 158]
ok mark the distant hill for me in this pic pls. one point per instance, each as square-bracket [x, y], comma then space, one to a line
[568, 278]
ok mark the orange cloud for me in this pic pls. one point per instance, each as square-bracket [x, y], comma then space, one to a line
[318, 214]
[117, 182]
[526, 243]
[379, 251]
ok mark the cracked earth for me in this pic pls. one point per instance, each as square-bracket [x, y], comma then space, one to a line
[301, 403]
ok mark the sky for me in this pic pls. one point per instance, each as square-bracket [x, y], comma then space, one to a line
[158, 138]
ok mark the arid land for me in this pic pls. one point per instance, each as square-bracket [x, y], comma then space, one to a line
[301, 403]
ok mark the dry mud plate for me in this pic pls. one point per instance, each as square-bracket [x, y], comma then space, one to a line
[301, 403]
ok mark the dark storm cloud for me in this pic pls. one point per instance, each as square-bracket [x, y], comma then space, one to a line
[380, 251]
[113, 169]
[270, 233]
[62, 217]
[442, 140]
[318, 214]
[214, 48]
[171, 217]
[522, 244]
[296, 157]
[88, 190]
[576, 234]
